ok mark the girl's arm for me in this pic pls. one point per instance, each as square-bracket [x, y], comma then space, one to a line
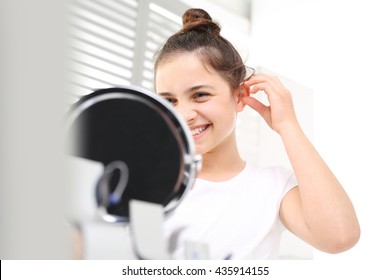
[319, 211]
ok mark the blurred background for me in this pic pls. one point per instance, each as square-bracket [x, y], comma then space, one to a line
[333, 55]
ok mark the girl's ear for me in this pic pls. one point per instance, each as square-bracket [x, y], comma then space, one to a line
[240, 93]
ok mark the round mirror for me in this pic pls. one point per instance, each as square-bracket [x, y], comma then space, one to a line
[146, 149]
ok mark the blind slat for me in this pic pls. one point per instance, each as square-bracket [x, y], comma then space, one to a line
[114, 42]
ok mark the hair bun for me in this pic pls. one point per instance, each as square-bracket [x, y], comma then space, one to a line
[199, 20]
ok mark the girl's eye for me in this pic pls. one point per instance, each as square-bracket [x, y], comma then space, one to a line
[200, 95]
[170, 100]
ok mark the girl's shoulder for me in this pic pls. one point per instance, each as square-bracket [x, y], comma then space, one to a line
[276, 178]
[275, 172]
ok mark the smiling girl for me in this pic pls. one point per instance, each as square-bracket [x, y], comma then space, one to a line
[236, 209]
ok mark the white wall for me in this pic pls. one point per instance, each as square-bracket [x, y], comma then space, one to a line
[32, 181]
[340, 49]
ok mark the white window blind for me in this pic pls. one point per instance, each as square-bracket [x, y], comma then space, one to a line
[112, 43]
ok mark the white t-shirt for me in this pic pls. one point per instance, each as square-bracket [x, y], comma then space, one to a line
[234, 219]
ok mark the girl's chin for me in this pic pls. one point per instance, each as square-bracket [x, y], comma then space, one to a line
[199, 150]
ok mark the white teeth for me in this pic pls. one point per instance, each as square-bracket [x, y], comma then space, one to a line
[198, 130]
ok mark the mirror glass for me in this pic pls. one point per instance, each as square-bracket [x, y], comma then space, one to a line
[144, 146]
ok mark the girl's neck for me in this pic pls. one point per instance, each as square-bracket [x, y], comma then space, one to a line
[221, 164]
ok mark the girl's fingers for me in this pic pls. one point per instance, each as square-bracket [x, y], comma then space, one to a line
[281, 108]
[261, 82]
[262, 109]
[257, 78]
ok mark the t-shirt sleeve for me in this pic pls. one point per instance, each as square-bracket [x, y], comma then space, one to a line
[286, 180]
[291, 182]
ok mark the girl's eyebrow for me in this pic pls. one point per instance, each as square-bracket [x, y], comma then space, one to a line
[165, 94]
[198, 87]
[191, 89]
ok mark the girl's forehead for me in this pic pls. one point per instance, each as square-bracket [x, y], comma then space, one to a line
[184, 66]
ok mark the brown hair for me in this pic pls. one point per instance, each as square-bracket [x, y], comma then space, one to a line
[201, 35]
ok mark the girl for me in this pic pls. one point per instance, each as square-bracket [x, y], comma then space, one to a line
[234, 209]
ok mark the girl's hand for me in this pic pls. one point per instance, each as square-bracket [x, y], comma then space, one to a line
[280, 113]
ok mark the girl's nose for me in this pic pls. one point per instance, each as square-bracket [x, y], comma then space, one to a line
[186, 112]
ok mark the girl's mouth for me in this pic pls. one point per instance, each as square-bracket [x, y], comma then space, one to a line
[199, 130]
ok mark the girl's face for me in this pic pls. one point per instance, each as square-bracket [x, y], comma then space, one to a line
[202, 98]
